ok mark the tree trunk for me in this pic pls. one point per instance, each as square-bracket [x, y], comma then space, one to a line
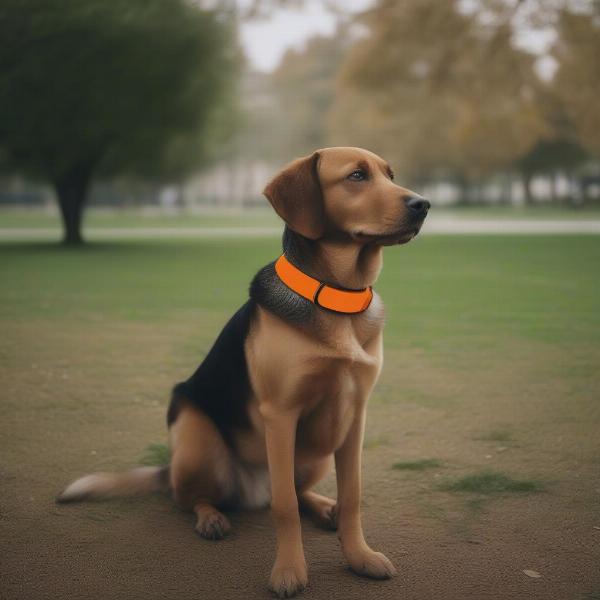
[507, 193]
[463, 190]
[527, 188]
[553, 187]
[71, 190]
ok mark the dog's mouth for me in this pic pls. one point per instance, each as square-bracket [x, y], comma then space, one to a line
[402, 236]
[399, 238]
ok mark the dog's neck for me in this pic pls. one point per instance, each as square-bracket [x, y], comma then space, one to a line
[342, 263]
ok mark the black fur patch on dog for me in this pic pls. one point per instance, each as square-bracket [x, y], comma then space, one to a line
[271, 293]
[220, 385]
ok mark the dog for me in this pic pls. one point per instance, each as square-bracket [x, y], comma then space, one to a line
[282, 394]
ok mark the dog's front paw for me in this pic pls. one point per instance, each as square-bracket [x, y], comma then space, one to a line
[372, 564]
[288, 578]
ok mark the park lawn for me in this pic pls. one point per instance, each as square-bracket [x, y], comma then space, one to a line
[98, 218]
[491, 379]
[261, 216]
[447, 295]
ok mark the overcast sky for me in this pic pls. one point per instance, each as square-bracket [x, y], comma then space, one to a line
[266, 40]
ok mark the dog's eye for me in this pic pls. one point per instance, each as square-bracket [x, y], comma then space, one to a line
[391, 174]
[358, 175]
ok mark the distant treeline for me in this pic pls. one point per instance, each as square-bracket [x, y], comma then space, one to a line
[450, 92]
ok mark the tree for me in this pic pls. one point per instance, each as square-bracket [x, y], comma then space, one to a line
[304, 87]
[500, 117]
[95, 87]
[389, 95]
[559, 149]
[439, 90]
[577, 83]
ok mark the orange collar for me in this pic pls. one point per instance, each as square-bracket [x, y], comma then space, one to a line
[326, 296]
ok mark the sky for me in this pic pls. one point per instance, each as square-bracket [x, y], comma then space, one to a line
[266, 40]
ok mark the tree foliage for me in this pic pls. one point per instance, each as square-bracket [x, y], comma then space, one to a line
[103, 87]
[450, 89]
[304, 88]
[438, 91]
[577, 80]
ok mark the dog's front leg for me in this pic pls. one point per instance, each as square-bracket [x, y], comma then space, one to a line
[361, 558]
[289, 574]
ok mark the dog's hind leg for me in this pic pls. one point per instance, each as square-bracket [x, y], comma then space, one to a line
[211, 524]
[320, 508]
[201, 471]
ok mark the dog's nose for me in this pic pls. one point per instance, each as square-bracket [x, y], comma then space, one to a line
[417, 205]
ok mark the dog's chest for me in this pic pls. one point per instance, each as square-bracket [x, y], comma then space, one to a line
[337, 382]
[328, 409]
[326, 375]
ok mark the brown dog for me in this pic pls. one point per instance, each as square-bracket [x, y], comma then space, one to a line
[284, 389]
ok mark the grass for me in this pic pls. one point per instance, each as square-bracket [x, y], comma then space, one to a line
[451, 297]
[417, 465]
[475, 505]
[153, 217]
[375, 441]
[492, 482]
[96, 217]
[496, 435]
[541, 211]
[156, 455]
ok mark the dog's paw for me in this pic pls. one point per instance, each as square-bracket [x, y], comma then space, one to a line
[213, 526]
[321, 509]
[372, 564]
[328, 517]
[287, 579]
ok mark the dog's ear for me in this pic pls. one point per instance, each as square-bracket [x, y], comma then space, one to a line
[296, 196]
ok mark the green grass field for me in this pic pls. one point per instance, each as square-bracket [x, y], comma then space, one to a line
[491, 366]
[152, 217]
[98, 217]
[446, 295]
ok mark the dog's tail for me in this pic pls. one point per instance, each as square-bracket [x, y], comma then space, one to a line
[101, 485]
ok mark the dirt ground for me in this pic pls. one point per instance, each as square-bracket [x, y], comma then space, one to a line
[100, 400]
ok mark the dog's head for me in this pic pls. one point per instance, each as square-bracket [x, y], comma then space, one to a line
[346, 192]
